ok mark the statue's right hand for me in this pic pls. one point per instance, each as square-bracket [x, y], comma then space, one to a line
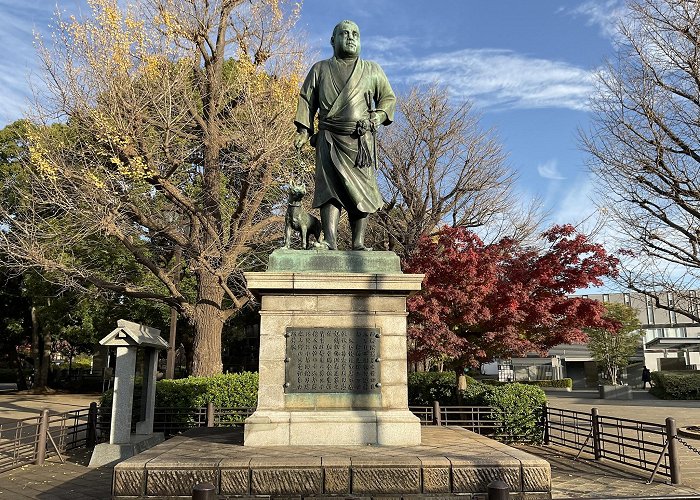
[301, 138]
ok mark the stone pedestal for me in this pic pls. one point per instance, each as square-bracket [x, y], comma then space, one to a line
[300, 300]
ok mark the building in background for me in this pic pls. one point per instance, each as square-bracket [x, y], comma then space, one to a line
[671, 341]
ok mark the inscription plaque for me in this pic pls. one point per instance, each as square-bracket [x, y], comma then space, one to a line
[332, 360]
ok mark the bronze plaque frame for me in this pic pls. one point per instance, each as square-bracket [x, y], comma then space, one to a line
[332, 360]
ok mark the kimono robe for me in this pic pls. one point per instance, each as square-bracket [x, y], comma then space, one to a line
[340, 106]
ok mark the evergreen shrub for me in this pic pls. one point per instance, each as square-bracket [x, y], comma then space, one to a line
[229, 390]
[426, 387]
[564, 383]
[517, 407]
[676, 385]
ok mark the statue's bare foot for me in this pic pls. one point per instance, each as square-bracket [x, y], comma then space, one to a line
[362, 248]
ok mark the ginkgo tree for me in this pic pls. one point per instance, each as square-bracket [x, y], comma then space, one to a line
[484, 301]
[164, 130]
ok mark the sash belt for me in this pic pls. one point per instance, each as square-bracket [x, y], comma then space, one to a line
[364, 156]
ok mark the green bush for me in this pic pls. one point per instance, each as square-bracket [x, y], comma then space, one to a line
[561, 383]
[676, 385]
[8, 375]
[226, 391]
[426, 387]
[518, 408]
[229, 390]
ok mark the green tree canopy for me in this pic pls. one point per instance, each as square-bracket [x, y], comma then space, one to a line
[613, 345]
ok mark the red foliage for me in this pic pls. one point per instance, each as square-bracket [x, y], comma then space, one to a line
[503, 300]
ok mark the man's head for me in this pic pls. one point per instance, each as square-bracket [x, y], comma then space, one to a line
[346, 39]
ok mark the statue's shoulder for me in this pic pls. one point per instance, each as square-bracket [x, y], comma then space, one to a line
[373, 66]
[321, 65]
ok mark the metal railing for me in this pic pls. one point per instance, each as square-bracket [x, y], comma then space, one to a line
[32, 440]
[485, 420]
[18, 442]
[642, 445]
[646, 446]
[176, 420]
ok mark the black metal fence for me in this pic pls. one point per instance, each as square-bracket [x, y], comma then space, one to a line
[18, 442]
[504, 426]
[642, 445]
[32, 440]
[645, 446]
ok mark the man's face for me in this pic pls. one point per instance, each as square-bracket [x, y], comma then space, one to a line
[346, 40]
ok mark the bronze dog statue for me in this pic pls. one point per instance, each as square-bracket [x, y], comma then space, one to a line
[297, 219]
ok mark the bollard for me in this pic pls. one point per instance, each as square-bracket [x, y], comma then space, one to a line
[437, 418]
[210, 414]
[497, 490]
[204, 491]
[596, 434]
[41, 437]
[91, 433]
[673, 461]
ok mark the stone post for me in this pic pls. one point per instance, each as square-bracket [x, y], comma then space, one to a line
[122, 401]
[127, 338]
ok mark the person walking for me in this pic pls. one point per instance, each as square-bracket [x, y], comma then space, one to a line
[646, 377]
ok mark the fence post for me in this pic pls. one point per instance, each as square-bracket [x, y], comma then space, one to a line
[91, 435]
[210, 414]
[673, 460]
[204, 491]
[497, 490]
[595, 426]
[437, 418]
[41, 437]
[545, 424]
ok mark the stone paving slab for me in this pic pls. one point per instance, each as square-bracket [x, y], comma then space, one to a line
[590, 479]
[451, 461]
[56, 480]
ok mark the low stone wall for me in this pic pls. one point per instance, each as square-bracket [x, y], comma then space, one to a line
[450, 461]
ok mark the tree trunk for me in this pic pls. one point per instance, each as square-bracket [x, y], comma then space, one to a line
[208, 321]
[461, 384]
[45, 348]
[37, 353]
[21, 377]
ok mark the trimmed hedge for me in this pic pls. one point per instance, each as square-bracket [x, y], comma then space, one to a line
[676, 385]
[517, 406]
[230, 390]
[426, 387]
[564, 383]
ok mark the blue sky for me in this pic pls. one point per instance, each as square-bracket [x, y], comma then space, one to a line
[527, 66]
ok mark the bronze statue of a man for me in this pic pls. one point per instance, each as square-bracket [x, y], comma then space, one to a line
[343, 90]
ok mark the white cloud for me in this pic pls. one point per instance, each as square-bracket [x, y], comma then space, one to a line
[550, 170]
[17, 56]
[496, 78]
[575, 206]
[604, 14]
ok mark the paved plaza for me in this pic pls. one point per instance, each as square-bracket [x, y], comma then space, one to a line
[571, 479]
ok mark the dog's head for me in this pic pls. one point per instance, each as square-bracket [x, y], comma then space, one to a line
[296, 192]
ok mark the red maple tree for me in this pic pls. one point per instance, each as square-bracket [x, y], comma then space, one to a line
[503, 300]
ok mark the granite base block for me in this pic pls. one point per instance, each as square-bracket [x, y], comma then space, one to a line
[450, 463]
[108, 454]
[340, 427]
